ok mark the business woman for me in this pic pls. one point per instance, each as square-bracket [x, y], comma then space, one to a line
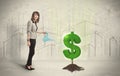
[31, 37]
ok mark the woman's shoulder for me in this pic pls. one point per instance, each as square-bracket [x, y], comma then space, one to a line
[29, 21]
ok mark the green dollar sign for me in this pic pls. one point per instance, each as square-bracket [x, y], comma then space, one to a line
[69, 41]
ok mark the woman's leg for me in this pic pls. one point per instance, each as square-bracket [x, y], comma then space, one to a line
[31, 51]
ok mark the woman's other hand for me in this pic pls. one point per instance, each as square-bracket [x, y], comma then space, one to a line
[28, 43]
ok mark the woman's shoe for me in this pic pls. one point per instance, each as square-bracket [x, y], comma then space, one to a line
[32, 68]
[26, 67]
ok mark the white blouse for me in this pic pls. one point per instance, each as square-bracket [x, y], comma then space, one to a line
[32, 29]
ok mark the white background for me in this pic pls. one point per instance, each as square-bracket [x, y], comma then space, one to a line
[95, 21]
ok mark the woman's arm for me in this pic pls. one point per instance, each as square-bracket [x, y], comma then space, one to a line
[29, 26]
[41, 32]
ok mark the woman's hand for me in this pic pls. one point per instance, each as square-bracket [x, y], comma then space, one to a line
[28, 43]
[44, 32]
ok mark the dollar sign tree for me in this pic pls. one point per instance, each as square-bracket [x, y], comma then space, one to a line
[70, 40]
[73, 50]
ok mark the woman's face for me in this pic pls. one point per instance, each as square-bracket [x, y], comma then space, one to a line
[35, 16]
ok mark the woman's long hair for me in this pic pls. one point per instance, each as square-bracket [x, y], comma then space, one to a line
[32, 18]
